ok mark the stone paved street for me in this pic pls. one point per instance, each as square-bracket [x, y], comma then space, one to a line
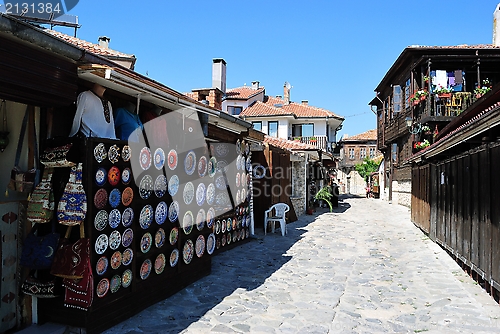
[363, 269]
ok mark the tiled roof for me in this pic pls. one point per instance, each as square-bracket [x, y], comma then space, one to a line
[263, 109]
[88, 46]
[191, 95]
[288, 144]
[243, 93]
[368, 135]
[461, 46]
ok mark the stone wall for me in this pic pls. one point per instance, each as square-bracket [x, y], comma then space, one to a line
[401, 193]
[299, 187]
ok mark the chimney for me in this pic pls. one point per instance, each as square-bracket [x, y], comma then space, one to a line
[278, 96]
[255, 85]
[305, 102]
[104, 41]
[219, 74]
[286, 93]
[496, 26]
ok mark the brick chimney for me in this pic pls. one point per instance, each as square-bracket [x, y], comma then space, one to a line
[305, 102]
[219, 74]
[255, 85]
[104, 41]
[286, 93]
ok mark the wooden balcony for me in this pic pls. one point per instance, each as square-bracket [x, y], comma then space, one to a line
[321, 142]
[443, 109]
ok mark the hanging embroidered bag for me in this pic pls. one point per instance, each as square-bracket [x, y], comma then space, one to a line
[71, 258]
[41, 202]
[72, 206]
[79, 293]
[35, 287]
[38, 251]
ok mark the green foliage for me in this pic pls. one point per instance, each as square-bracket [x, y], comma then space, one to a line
[325, 194]
[366, 167]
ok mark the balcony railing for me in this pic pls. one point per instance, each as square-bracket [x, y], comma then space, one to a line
[435, 107]
[321, 142]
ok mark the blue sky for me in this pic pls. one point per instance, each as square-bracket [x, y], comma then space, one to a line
[333, 53]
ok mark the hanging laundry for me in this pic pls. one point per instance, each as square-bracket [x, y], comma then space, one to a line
[458, 77]
[441, 79]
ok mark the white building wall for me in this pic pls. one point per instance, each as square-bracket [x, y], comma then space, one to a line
[401, 193]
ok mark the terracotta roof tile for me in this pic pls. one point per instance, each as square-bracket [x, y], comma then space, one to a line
[460, 46]
[263, 109]
[368, 135]
[288, 144]
[244, 92]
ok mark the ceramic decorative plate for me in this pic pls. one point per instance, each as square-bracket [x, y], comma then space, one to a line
[115, 197]
[174, 257]
[172, 159]
[116, 260]
[115, 283]
[126, 153]
[101, 220]
[223, 226]
[229, 223]
[238, 199]
[210, 217]
[235, 223]
[174, 235]
[188, 251]
[146, 242]
[114, 154]
[101, 198]
[210, 194]
[222, 166]
[200, 194]
[101, 244]
[159, 158]
[243, 179]
[114, 218]
[100, 177]
[202, 166]
[228, 239]
[238, 179]
[247, 148]
[115, 240]
[145, 269]
[161, 213]
[200, 245]
[222, 199]
[235, 236]
[259, 172]
[127, 217]
[190, 163]
[127, 237]
[238, 147]
[173, 185]
[238, 162]
[160, 263]
[223, 240]
[127, 196]
[146, 216]
[243, 195]
[160, 186]
[248, 180]
[126, 175]
[221, 149]
[102, 287]
[114, 176]
[127, 256]
[249, 164]
[146, 186]
[212, 166]
[160, 238]
[210, 243]
[100, 153]
[217, 226]
[218, 242]
[102, 265]
[188, 193]
[200, 219]
[126, 278]
[220, 182]
[145, 158]
[173, 211]
[188, 222]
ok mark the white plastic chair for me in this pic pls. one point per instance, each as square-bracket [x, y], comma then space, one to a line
[276, 214]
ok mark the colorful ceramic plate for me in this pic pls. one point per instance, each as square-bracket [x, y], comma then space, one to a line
[248, 180]
[127, 237]
[100, 177]
[235, 223]
[210, 194]
[238, 162]
[115, 240]
[100, 153]
[217, 226]
[101, 266]
[247, 148]
[114, 154]
[229, 224]
[172, 159]
[210, 217]
[243, 164]
[116, 282]
[200, 245]
[223, 226]
[145, 158]
[160, 263]
[146, 242]
[115, 218]
[146, 216]
[188, 251]
[160, 186]
[173, 211]
[126, 278]
[102, 287]
[187, 222]
[101, 198]
[200, 194]
[238, 179]
[159, 158]
[101, 244]
[174, 235]
[223, 240]
[200, 219]
[160, 238]
[126, 175]
[173, 185]
[115, 197]
[243, 195]
[174, 257]
[116, 260]
[127, 217]
[243, 179]
[228, 238]
[146, 186]
[218, 242]
[220, 182]
[145, 269]
[221, 149]
[127, 196]
[210, 243]
[188, 193]
[249, 164]
[127, 256]
[114, 176]
[126, 153]
[190, 163]
[161, 213]
[237, 197]
[212, 166]
[238, 147]
[101, 220]
[202, 166]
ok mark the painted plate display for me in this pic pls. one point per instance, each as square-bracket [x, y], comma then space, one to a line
[100, 177]
[102, 265]
[235, 223]
[126, 278]
[116, 260]
[160, 238]
[188, 193]
[187, 222]
[190, 163]
[173, 211]
[126, 153]
[218, 242]
[229, 224]
[174, 235]
[223, 226]
[115, 240]
[145, 158]
[115, 197]
[159, 158]
[247, 148]
[101, 198]
[243, 195]
[221, 149]
[210, 194]
[115, 283]
[115, 218]
[248, 180]
[223, 240]
[222, 166]
[200, 194]
[101, 244]
[127, 237]
[146, 216]
[238, 199]
[212, 166]
[145, 269]
[146, 186]
[210, 243]
[217, 226]
[127, 217]
[146, 242]
[174, 257]
[242, 162]
[235, 236]
[238, 179]
[127, 196]
[249, 164]
[161, 213]
[220, 182]
[173, 185]
[101, 220]
[160, 263]
[160, 186]
[100, 153]
[114, 176]
[127, 256]
[210, 217]
[200, 245]
[200, 219]
[172, 159]
[202, 166]
[238, 162]
[222, 199]
[238, 147]
[188, 251]
[102, 287]
[114, 154]
[228, 238]
[126, 175]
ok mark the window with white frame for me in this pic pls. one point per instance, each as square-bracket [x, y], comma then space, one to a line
[362, 153]
[396, 99]
[372, 152]
[351, 153]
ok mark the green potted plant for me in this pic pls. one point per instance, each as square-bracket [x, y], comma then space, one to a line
[324, 194]
[442, 92]
[297, 138]
[312, 139]
[482, 89]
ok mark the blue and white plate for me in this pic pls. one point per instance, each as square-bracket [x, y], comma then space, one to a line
[173, 211]
[202, 166]
[161, 213]
[188, 193]
[212, 166]
[210, 217]
[101, 176]
[220, 182]
[173, 185]
[101, 220]
[200, 194]
[210, 194]
[146, 216]
[115, 198]
[210, 243]
[160, 186]
[200, 219]
[145, 158]
[190, 163]
[160, 238]
[221, 149]
[159, 158]
[126, 175]
[115, 218]
[188, 222]
[249, 164]
[238, 147]
[127, 217]
[127, 237]
[115, 240]
[146, 186]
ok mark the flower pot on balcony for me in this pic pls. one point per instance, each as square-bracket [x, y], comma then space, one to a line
[444, 95]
